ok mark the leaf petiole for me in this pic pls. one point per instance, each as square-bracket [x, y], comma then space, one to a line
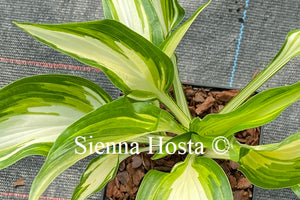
[178, 90]
[174, 109]
[289, 50]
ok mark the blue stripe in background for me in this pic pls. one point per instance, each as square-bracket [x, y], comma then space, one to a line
[239, 44]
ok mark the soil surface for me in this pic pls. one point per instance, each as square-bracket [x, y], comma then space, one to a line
[201, 102]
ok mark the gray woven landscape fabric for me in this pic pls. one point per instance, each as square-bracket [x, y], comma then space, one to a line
[206, 57]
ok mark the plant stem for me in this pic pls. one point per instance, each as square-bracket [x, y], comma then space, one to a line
[290, 49]
[174, 109]
[178, 90]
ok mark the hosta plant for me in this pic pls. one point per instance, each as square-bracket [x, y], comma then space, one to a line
[67, 118]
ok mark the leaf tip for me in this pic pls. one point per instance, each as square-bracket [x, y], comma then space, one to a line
[21, 25]
[16, 23]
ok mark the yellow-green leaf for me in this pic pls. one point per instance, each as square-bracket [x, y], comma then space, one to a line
[296, 190]
[289, 50]
[170, 44]
[195, 178]
[117, 121]
[259, 110]
[35, 110]
[131, 62]
[97, 174]
[153, 19]
[274, 165]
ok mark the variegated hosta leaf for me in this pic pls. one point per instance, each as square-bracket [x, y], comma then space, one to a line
[296, 190]
[131, 62]
[289, 50]
[178, 90]
[170, 44]
[35, 110]
[259, 110]
[195, 178]
[97, 174]
[137, 15]
[114, 122]
[273, 165]
[153, 19]
[169, 13]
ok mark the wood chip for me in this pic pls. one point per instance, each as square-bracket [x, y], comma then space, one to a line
[243, 183]
[209, 102]
[122, 166]
[233, 165]
[136, 179]
[19, 182]
[232, 181]
[255, 73]
[123, 177]
[199, 97]
[226, 95]
[136, 161]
